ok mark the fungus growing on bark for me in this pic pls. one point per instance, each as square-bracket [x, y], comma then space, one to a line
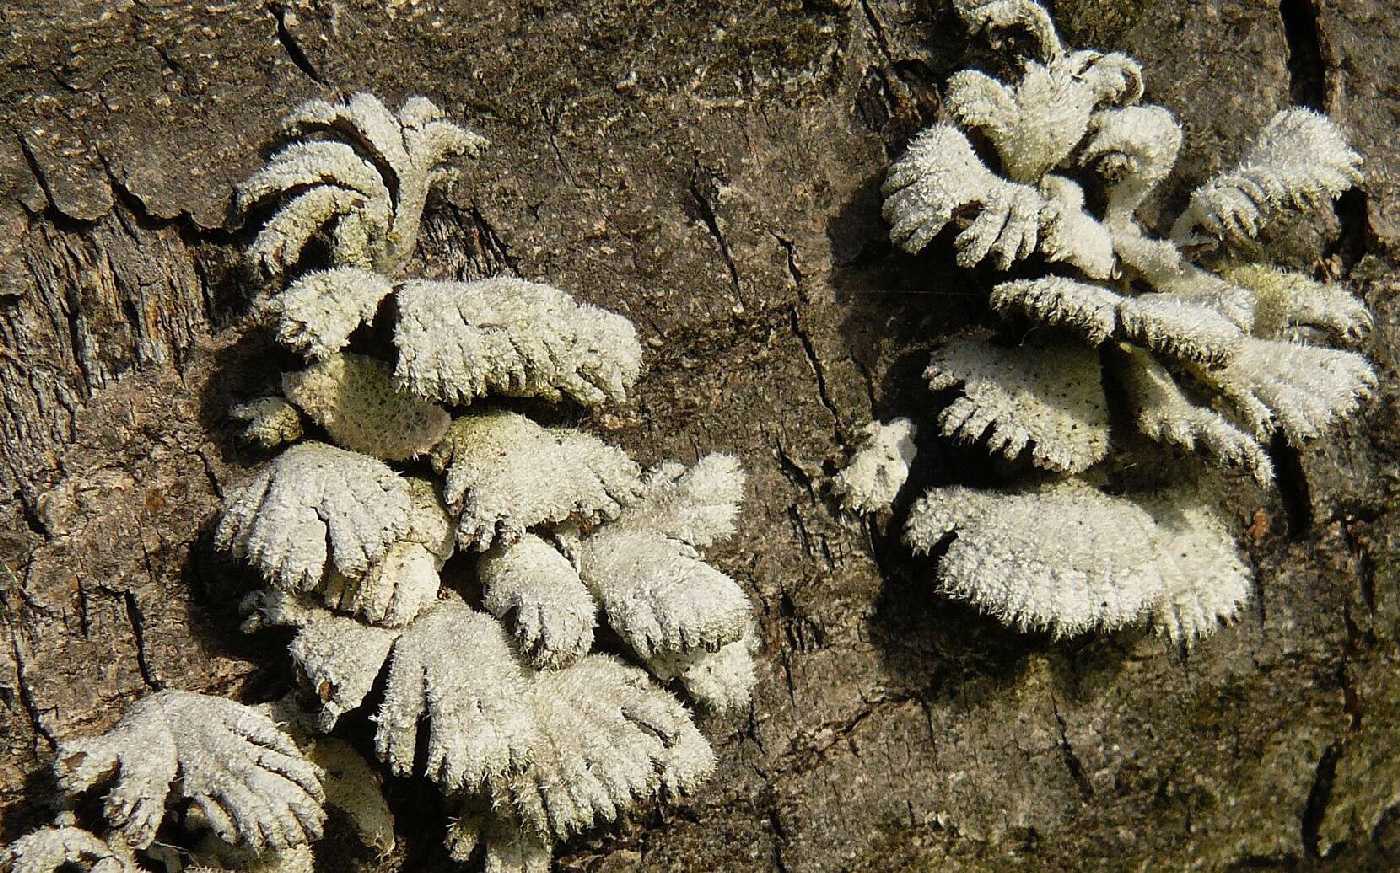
[1068, 558]
[531, 733]
[63, 847]
[247, 778]
[314, 506]
[357, 170]
[505, 474]
[268, 422]
[354, 399]
[1206, 350]
[458, 341]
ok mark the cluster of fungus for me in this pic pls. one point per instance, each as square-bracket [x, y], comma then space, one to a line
[404, 451]
[1191, 341]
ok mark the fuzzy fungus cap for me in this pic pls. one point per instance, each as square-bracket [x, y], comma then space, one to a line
[880, 466]
[645, 569]
[317, 313]
[459, 341]
[1163, 413]
[1037, 124]
[939, 177]
[722, 681]
[248, 779]
[1069, 234]
[268, 422]
[697, 505]
[533, 587]
[358, 170]
[1044, 400]
[312, 506]
[1295, 389]
[454, 676]
[353, 397]
[505, 474]
[1286, 302]
[337, 658]
[1068, 558]
[607, 740]
[565, 749]
[64, 847]
[658, 594]
[1090, 311]
[502, 842]
[1299, 161]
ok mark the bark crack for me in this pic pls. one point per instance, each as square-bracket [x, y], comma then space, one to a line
[37, 169]
[794, 269]
[818, 369]
[1318, 797]
[780, 838]
[828, 735]
[702, 194]
[1306, 70]
[210, 473]
[1072, 762]
[786, 661]
[492, 242]
[552, 127]
[877, 30]
[137, 621]
[1293, 486]
[792, 470]
[24, 688]
[294, 51]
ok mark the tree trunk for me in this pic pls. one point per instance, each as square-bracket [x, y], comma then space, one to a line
[710, 170]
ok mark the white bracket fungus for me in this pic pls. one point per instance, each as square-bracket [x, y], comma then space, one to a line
[879, 468]
[353, 397]
[1212, 357]
[505, 474]
[529, 732]
[314, 505]
[246, 777]
[459, 341]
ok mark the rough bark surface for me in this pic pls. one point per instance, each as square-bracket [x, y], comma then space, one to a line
[709, 169]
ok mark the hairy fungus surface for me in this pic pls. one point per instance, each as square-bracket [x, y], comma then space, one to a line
[532, 735]
[246, 776]
[1207, 350]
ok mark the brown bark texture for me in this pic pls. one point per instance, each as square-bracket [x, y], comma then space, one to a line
[709, 168]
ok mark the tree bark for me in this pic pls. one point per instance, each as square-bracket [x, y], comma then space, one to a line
[711, 171]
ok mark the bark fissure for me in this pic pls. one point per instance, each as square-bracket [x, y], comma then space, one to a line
[1292, 481]
[36, 169]
[295, 53]
[794, 471]
[136, 620]
[1072, 762]
[551, 128]
[877, 30]
[794, 270]
[1307, 72]
[1318, 797]
[818, 370]
[816, 743]
[26, 690]
[494, 244]
[702, 194]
